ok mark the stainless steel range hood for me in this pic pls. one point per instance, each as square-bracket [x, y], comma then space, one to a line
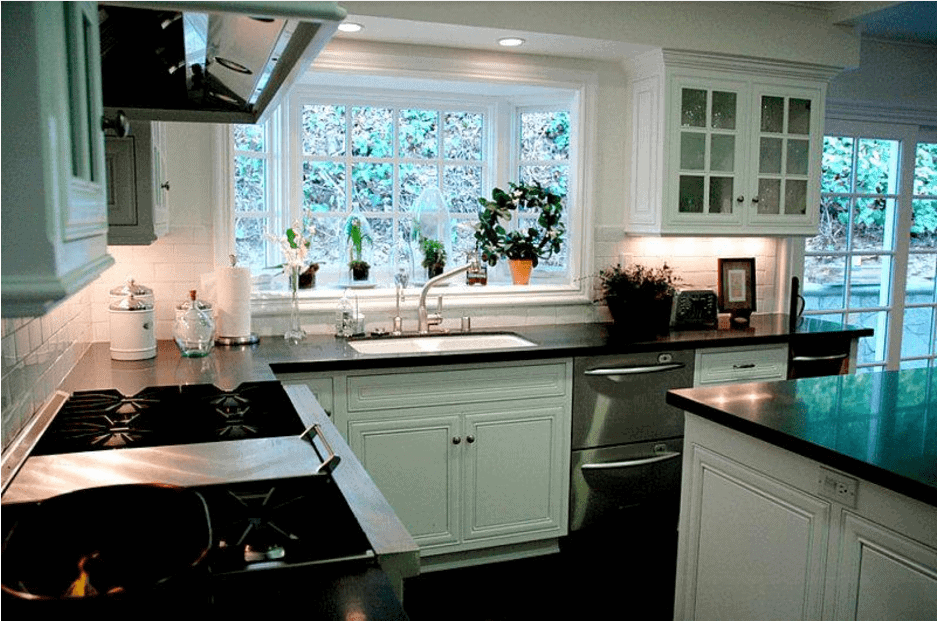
[217, 62]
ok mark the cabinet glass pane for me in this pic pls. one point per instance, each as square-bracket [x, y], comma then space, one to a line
[693, 108]
[772, 114]
[769, 161]
[723, 114]
[722, 153]
[691, 194]
[692, 151]
[798, 116]
[797, 157]
[720, 194]
[795, 197]
[769, 196]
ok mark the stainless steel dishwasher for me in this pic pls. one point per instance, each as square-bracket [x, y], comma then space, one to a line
[627, 442]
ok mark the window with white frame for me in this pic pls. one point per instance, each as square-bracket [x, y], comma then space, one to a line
[874, 261]
[374, 154]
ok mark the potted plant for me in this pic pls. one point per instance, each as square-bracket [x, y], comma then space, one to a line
[434, 256]
[639, 296]
[357, 234]
[522, 247]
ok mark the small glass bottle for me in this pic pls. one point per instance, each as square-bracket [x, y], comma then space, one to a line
[477, 274]
[344, 317]
[194, 329]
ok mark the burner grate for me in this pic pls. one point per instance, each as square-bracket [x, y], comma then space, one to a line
[170, 415]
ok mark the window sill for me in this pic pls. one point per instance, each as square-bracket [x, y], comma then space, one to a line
[324, 298]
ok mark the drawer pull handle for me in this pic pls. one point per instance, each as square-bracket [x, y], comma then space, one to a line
[329, 463]
[653, 368]
[819, 358]
[631, 463]
[750, 365]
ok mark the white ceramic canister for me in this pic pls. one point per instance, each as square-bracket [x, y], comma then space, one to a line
[133, 329]
[131, 287]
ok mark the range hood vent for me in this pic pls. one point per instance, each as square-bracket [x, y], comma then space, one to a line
[188, 61]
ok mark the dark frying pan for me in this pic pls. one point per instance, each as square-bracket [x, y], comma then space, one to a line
[120, 542]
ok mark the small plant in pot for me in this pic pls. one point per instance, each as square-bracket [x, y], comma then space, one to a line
[522, 247]
[357, 236]
[434, 256]
[639, 297]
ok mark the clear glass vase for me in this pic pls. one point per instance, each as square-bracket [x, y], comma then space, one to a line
[295, 332]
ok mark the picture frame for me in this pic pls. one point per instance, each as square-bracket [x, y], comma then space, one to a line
[736, 291]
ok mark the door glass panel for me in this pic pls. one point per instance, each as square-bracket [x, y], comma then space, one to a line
[877, 169]
[693, 108]
[824, 280]
[769, 196]
[795, 197]
[769, 161]
[871, 350]
[869, 276]
[798, 116]
[691, 194]
[925, 169]
[836, 164]
[924, 225]
[722, 153]
[869, 224]
[692, 150]
[832, 229]
[723, 114]
[772, 114]
[797, 157]
[918, 336]
[720, 194]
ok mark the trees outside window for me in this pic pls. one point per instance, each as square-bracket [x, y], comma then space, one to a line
[874, 260]
[374, 156]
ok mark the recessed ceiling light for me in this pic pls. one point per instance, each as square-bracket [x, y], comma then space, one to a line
[510, 42]
[350, 27]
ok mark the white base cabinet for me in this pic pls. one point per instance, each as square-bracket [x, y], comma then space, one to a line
[470, 457]
[759, 541]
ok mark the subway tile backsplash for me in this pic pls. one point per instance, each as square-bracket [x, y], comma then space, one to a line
[38, 352]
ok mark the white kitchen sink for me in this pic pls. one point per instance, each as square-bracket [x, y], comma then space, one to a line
[449, 342]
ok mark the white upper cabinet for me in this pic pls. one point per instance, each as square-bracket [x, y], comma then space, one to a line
[725, 147]
[54, 196]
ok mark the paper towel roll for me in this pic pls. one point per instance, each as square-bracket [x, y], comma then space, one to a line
[233, 301]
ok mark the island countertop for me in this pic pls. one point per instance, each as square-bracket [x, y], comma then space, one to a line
[881, 427]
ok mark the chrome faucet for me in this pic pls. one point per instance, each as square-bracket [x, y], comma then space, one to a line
[425, 320]
[400, 283]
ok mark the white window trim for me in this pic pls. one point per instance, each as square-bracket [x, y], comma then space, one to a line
[464, 65]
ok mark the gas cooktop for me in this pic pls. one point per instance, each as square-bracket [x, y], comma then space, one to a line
[169, 415]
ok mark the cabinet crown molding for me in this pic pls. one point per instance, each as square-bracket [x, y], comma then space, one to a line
[706, 61]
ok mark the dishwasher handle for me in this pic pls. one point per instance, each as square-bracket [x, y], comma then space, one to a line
[617, 374]
[631, 463]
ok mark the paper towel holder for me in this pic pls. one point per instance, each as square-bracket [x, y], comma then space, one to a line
[233, 341]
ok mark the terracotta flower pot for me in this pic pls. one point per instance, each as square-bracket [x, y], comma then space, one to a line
[520, 270]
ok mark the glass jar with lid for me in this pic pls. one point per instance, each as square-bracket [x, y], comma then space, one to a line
[194, 328]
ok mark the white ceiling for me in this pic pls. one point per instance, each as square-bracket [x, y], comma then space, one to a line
[914, 22]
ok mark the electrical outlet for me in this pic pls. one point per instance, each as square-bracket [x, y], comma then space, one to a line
[838, 487]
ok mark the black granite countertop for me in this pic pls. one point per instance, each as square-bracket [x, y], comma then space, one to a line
[881, 427]
[227, 367]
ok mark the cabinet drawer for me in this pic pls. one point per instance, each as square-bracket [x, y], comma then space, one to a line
[737, 364]
[452, 387]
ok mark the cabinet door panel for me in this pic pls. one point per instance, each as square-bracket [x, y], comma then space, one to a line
[749, 531]
[415, 465]
[884, 576]
[512, 467]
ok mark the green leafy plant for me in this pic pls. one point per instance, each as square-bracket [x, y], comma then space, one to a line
[356, 235]
[434, 252]
[536, 242]
[637, 282]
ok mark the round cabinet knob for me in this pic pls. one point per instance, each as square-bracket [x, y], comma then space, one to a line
[469, 439]
[456, 440]
[754, 199]
[740, 199]
[165, 185]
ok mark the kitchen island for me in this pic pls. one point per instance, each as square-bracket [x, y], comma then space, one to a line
[810, 499]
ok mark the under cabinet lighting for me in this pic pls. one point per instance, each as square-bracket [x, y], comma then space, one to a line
[510, 42]
[350, 27]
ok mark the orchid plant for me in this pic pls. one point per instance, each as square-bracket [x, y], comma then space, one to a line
[294, 244]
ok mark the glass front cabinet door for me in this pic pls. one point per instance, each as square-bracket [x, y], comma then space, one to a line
[785, 138]
[709, 153]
